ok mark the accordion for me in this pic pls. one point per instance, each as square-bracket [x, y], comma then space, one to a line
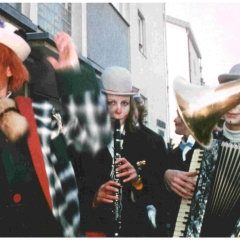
[214, 210]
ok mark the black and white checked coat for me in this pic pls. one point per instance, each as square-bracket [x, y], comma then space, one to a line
[86, 128]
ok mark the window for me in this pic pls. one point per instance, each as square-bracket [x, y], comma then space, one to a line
[55, 17]
[141, 31]
[161, 133]
[17, 6]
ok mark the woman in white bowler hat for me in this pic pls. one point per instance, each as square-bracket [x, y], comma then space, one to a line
[137, 169]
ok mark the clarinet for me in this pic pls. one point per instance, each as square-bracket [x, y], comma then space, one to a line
[117, 204]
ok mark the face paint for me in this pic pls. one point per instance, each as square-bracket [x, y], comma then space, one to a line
[118, 107]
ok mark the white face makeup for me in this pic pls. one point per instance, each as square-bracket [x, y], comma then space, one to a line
[118, 107]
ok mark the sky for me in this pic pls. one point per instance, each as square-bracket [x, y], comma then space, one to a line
[216, 28]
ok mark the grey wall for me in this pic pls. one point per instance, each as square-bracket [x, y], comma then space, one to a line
[107, 36]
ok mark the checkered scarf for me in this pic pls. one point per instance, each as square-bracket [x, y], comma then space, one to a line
[87, 127]
[61, 178]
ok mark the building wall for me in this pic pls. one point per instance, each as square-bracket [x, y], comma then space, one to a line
[195, 69]
[182, 60]
[108, 34]
[149, 69]
[178, 65]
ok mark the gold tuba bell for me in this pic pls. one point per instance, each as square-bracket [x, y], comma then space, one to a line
[201, 107]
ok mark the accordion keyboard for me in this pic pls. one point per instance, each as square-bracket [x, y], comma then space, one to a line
[184, 209]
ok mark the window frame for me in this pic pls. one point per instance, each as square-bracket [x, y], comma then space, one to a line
[66, 20]
[18, 6]
[141, 33]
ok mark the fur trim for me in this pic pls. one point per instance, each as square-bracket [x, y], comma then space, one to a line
[13, 125]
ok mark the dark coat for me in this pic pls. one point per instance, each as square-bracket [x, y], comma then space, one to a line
[160, 149]
[25, 201]
[24, 211]
[176, 162]
[92, 173]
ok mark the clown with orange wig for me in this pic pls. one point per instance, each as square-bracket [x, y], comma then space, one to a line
[38, 190]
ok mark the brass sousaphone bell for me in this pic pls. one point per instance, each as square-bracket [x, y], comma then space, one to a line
[201, 107]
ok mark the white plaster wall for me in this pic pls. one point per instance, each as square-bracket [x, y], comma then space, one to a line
[178, 65]
[179, 49]
[149, 71]
[195, 75]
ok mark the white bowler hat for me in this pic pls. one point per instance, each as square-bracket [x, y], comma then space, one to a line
[117, 81]
[13, 41]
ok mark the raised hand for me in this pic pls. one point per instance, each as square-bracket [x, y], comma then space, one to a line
[68, 57]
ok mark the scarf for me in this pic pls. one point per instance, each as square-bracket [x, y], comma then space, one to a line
[232, 135]
[186, 146]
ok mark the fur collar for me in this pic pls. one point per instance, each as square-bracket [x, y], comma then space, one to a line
[13, 125]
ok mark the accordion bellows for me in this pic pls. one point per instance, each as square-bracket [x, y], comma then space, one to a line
[215, 207]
